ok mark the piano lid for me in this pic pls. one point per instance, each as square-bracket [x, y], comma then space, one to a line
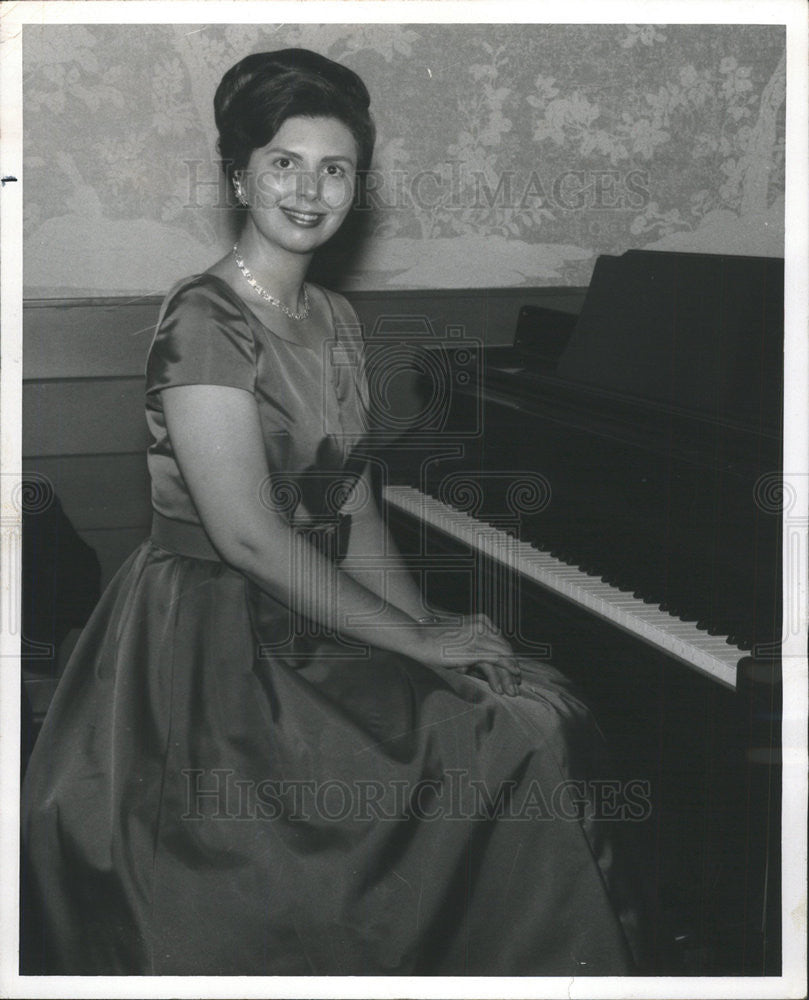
[696, 332]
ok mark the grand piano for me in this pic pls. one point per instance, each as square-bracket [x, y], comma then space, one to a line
[608, 490]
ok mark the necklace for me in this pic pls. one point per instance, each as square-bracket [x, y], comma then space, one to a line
[266, 295]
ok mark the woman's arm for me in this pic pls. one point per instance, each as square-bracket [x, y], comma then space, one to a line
[374, 559]
[216, 437]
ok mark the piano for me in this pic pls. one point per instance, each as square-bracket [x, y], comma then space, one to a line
[608, 490]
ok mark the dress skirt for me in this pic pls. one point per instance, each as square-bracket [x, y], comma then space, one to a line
[220, 789]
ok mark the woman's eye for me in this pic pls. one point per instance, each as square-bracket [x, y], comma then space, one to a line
[283, 162]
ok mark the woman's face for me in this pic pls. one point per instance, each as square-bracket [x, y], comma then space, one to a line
[300, 186]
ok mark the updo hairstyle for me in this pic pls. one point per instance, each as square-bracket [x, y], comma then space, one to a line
[259, 93]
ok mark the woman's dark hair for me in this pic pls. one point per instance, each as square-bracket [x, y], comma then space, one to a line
[257, 95]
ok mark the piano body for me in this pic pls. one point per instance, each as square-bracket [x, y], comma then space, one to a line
[609, 494]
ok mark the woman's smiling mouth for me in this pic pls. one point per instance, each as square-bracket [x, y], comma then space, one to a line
[301, 218]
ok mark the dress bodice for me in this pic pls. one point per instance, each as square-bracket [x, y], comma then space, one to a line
[313, 404]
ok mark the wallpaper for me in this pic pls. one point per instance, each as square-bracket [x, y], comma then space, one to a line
[507, 154]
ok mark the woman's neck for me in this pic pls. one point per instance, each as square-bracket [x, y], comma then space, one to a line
[278, 271]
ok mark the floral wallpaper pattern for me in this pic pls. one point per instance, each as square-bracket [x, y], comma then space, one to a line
[507, 154]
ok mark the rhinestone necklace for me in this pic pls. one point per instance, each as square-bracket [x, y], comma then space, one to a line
[303, 314]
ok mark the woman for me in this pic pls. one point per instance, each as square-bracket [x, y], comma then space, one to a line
[264, 757]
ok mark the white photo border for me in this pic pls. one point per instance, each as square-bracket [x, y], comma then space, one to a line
[792, 14]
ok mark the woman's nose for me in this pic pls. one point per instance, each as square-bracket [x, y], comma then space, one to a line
[308, 187]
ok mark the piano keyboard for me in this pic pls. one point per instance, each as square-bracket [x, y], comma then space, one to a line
[713, 656]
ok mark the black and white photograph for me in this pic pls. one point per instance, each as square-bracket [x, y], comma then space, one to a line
[404, 499]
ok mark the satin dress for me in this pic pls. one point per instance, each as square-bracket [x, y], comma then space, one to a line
[222, 788]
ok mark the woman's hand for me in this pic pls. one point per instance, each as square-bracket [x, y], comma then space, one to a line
[502, 680]
[474, 644]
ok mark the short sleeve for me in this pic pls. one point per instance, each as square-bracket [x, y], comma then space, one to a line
[201, 339]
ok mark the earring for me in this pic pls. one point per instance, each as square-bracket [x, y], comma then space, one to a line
[240, 194]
